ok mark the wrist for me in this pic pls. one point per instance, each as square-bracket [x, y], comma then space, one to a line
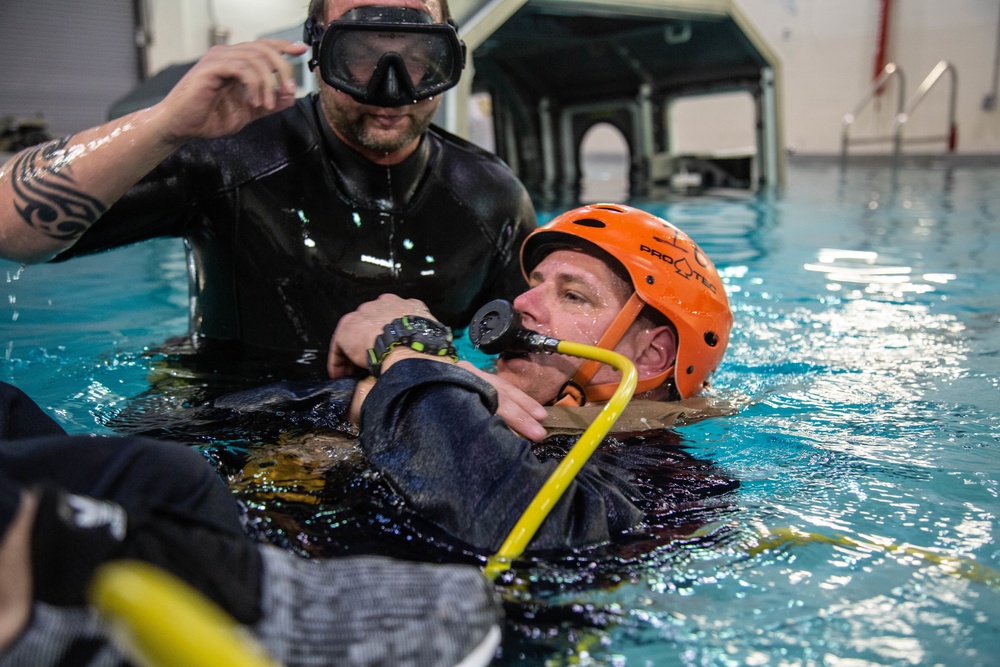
[410, 336]
[399, 353]
[160, 118]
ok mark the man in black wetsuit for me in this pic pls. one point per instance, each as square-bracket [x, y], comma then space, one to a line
[293, 211]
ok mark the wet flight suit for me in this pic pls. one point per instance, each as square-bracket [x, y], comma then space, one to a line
[288, 228]
[430, 428]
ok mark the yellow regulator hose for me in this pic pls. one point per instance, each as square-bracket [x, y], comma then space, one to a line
[546, 498]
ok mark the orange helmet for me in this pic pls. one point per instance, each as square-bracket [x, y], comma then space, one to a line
[669, 272]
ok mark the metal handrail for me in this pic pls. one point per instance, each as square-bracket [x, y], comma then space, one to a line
[904, 116]
[888, 72]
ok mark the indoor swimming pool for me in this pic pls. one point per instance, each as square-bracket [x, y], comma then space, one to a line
[844, 512]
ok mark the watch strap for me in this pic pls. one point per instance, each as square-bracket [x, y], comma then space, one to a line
[418, 333]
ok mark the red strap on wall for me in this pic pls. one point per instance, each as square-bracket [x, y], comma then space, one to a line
[881, 47]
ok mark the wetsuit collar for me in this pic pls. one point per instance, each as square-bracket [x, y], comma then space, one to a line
[374, 186]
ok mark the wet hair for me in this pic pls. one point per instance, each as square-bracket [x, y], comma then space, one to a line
[317, 10]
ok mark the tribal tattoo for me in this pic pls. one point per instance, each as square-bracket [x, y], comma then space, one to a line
[46, 196]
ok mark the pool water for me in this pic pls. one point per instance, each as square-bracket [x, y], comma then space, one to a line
[865, 366]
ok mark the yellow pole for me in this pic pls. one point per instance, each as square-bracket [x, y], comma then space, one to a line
[553, 488]
[157, 619]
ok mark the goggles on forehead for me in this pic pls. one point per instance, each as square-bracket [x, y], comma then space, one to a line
[387, 56]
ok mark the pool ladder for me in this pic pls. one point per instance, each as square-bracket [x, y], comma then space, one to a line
[903, 113]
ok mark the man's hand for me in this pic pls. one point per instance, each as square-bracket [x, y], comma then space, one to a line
[356, 331]
[230, 87]
[520, 412]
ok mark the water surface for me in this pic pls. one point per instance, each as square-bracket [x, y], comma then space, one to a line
[865, 364]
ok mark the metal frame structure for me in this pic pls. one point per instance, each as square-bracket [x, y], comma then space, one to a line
[554, 68]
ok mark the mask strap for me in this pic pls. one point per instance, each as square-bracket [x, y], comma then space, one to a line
[312, 35]
[570, 392]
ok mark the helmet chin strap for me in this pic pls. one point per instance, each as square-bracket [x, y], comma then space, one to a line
[579, 391]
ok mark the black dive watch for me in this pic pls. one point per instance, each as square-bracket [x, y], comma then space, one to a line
[419, 333]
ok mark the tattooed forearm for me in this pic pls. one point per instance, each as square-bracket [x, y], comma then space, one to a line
[46, 196]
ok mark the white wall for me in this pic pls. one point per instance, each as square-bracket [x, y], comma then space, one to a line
[827, 50]
[183, 29]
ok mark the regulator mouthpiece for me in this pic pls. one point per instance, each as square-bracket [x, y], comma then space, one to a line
[496, 327]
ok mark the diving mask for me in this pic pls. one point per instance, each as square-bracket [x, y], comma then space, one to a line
[387, 56]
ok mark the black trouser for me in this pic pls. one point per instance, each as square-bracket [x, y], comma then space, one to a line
[181, 516]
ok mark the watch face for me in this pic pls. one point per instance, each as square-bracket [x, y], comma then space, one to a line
[429, 328]
[424, 335]
[421, 334]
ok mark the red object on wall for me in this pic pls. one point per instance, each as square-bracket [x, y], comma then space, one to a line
[881, 47]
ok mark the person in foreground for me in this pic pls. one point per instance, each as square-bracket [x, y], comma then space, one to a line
[71, 503]
[293, 211]
[605, 274]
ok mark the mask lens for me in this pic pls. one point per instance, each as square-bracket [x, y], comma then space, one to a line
[354, 57]
[427, 58]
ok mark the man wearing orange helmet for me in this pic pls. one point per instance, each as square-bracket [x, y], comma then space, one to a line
[672, 310]
[606, 275]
